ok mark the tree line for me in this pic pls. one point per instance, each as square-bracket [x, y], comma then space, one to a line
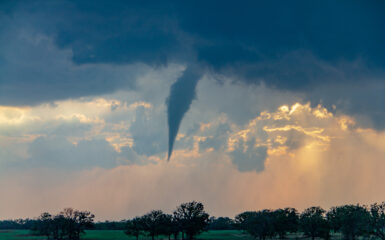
[17, 224]
[190, 219]
[352, 221]
[66, 225]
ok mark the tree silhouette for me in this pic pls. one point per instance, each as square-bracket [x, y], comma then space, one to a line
[314, 224]
[68, 224]
[258, 224]
[166, 225]
[43, 225]
[284, 221]
[134, 227]
[152, 223]
[351, 220]
[221, 223]
[192, 218]
[377, 220]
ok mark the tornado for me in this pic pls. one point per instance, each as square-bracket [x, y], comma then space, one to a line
[182, 93]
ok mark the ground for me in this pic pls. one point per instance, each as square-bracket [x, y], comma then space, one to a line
[119, 235]
[116, 234]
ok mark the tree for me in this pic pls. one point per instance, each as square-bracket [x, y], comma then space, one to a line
[110, 225]
[152, 223]
[261, 224]
[192, 218]
[134, 227]
[83, 220]
[166, 225]
[221, 223]
[61, 227]
[68, 224]
[377, 220]
[351, 220]
[243, 219]
[258, 224]
[176, 227]
[314, 224]
[284, 221]
[43, 225]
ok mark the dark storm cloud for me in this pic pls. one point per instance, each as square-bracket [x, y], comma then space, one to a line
[46, 49]
[300, 46]
[252, 30]
[221, 34]
[115, 32]
[33, 70]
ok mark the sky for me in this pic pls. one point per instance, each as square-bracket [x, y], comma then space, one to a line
[122, 107]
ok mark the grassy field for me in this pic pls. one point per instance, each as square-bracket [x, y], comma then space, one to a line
[115, 234]
[17, 235]
[211, 235]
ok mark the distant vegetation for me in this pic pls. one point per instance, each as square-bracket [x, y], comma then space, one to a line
[68, 224]
[190, 219]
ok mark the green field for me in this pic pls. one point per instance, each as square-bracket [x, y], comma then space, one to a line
[115, 234]
[211, 235]
[17, 235]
